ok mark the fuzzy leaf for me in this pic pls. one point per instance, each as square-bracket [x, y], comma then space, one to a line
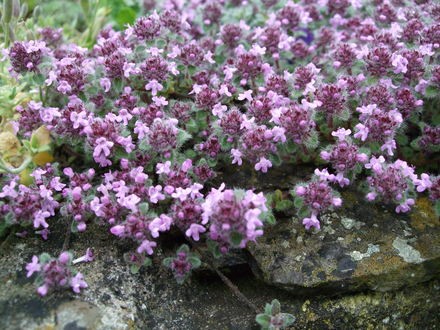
[195, 262]
[298, 202]
[288, 319]
[276, 307]
[263, 320]
[214, 249]
[134, 269]
[284, 205]
[167, 262]
[183, 248]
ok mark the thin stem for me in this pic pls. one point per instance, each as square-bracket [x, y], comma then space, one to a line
[67, 238]
[16, 170]
[235, 290]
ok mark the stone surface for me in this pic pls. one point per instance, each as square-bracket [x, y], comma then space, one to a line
[361, 246]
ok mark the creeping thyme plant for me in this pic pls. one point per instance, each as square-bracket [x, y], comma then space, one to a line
[150, 112]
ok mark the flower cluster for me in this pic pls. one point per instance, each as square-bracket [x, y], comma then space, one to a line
[182, 264]
[315, 197]
[234, 217]
[55, 273]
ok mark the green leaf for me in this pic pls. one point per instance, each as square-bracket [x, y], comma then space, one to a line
[298, 202]
[268, 309]
[288, 319]
[3, 227]
[303, 212]
[183, 248]
[134, 269]
[125, 16]
[167, 262]
[147, 262]
[182, 137]
[44, 258]
[263, 320]
[402, 139]
[284, 205]
[276, 307]
[432, 92]
[236, 238]
[214, 249]
[143, 208]
[268, 217]
[437, 208]
[195, 262]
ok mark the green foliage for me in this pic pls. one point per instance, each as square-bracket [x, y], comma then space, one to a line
[273, 319]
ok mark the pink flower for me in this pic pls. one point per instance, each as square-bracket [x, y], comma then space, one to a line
[194, 231]
[141, 129]
[224, 90]
[88, 257]
[424, 182]
[186, 165]
[118, 230]
[263, 165]
[64, 87]
[155, 194]
[371, 196]
[102, 147]
[181, 194]
[341, 133]
[42, 290]
[311, 222]
[400, 63]
[375, 164]
[164, 168]
[154, 86]
[162, 223]
[33, 267]
[300, 190]
[236, 154]
[40, 219]
[77, 283]
[105, 84]
[159, 101]
[146, 246]
[362, 132]
[124, 116]
[247, 95]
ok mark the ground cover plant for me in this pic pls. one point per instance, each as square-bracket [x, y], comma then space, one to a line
[149, 109]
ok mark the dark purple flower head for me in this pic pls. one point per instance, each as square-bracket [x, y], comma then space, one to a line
[207, 98]
[191, 54]
[26, 56]
[212, 13]
[172, 20]
[147, 28]
[155, 67]
[289, 17]
[231, 34]
[381, 96]
[52, 37]
[378, 61]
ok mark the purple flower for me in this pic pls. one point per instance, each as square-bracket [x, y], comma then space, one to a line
[88, 257]
[77, 283]
[146, 246]
[33, 267]
[236, 154]
[194, 231]
[311, 222]
[263, 165]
